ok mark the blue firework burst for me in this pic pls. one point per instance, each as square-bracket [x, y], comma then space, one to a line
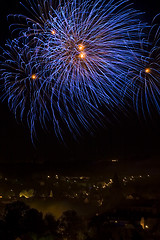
[23, 85]
[68, 63]
[144, 75]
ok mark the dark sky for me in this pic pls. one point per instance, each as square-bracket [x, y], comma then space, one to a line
[129, 139]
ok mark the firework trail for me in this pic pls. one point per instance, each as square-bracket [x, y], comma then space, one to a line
[67, 63]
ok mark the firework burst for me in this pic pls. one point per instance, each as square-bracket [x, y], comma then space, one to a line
[144, 76]
[24, 88]
[69, 62]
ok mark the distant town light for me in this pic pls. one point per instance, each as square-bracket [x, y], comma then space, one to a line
[142, 222]
[114, 160]
[18, 238]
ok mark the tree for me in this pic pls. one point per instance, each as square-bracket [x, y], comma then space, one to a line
[21, 220]
[70, 225]
[51, 224]
[33, 221]
[3, 230]
[13, 216]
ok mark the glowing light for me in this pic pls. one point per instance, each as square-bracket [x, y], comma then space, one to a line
[142, 222]
[147, 70]
[27, 194]
[34, 76]
[81, 47]
[82, 55]
[53, 32]
[146, 226]
[114, 160]
[82, 178]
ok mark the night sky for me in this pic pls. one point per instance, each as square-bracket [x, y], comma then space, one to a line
[130, 138]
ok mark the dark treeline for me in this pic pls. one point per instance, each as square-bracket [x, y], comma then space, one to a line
[20, 222]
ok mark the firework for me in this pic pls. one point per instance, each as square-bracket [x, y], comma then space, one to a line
[22, 86]
[144, 75]
[69, 62]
